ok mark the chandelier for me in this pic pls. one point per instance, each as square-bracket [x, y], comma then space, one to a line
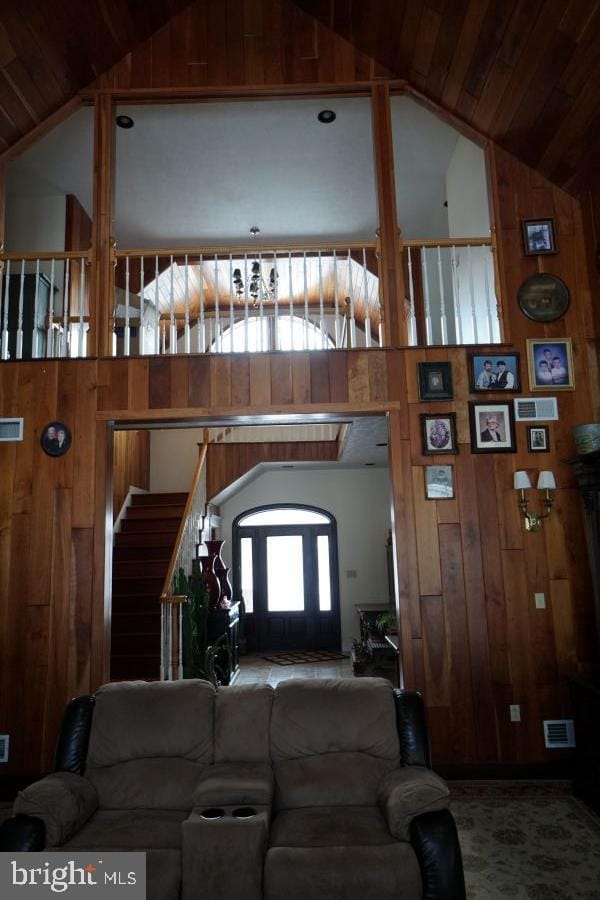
[257, 286]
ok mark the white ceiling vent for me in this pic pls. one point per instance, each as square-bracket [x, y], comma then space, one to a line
[559, 733]
[11, 429]
[535, 409]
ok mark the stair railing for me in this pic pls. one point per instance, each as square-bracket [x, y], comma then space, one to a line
[184, 551]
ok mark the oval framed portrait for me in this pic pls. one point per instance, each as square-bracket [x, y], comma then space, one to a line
[543, 297]
[55, 439]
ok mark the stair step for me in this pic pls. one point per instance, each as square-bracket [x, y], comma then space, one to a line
[158, 500]
[136, 604]
[124, 567]
[128, 623]
[128, 668]
[137, 584]
[155, 512]
[136, 644]
[160, 526]
[147, 539]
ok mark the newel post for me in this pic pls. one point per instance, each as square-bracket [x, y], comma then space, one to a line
[102, 277]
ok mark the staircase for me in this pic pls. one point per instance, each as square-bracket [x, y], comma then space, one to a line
[142, 551]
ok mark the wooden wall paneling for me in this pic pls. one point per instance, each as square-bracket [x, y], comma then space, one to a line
[301, 378]
[435, 658]
[358, 378]
[179, 388]
[102, 288]
[540, 621]
[139, 374]
[131, 465]
[159, 383]
[338, 376]
[80, 632]
[426, 528]
[260, 380]
[101, 609]
[199, 382]
[240, 380]
[319, 377]
[84, 446]
[281, 379]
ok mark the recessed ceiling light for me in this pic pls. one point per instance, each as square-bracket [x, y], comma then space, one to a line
[327, 116]
[124, 121]
[369, 464]
[254, 230]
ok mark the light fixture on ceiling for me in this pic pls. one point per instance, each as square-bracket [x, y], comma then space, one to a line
[327, 116]
[546, 482]
[258, 289]
[124, 121]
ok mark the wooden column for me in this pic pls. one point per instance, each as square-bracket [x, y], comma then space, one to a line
[102, 279]
[390, 263]
[2, 205]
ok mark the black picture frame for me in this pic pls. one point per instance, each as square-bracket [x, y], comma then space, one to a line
[538, 439]
[438, 433]
[55, 439]
[439, 482]
[435, 381]
[481, 416]
[539, 238]
[504, 373]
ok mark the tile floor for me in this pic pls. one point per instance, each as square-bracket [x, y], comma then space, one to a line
[255, 669]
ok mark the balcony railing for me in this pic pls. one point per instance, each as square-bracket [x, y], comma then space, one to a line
[44, 305]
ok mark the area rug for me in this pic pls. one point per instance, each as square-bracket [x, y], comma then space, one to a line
[526, 840]
[298, 657]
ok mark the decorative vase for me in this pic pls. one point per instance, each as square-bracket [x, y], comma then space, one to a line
[221, 571]
[211, 581]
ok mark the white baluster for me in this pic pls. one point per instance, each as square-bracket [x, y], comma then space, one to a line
[202, 325]
[443, 321]
[36, 312]
[231, 310]
[246, 310]
[261, 304]
[305, 342]
[80, 342]
[366, 301]
[488, 296]
[412, 319]
[66, 303]
[291, 300]
[5, 320]
[186, 326]
[217, 309]
[472, 293]
[458, 316]
[172, 325]
[351, 299]
[428, 327]
[50, 335]
[127, 330]
[321, 307]
[336, 300]
[163, 643]
[142, 337]
[276, 302]
[19, 336]
[157, 307]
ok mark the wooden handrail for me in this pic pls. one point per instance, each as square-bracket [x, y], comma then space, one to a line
[57, 254]
[450, 242]
[166, 595]
[248, 249]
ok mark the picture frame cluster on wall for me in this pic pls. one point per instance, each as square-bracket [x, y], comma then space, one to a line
[492, 427]
[435, 380]
[550, 363]
[538, 237]
[438, 433]
[495, 372]
[439, 482]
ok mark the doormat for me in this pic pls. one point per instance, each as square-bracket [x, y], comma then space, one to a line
[297, 657]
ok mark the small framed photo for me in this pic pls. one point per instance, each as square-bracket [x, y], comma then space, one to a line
[435, 381]
[439, 482]
[495, 372]
[538, 237]
[55, 439]
[538, 439]
[492, 428]
[438, 433]
[550, 364]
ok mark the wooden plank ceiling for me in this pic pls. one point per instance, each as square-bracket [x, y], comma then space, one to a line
[523, 72]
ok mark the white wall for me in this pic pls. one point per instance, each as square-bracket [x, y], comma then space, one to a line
[360, 501]
[173, 457]
[466, 191]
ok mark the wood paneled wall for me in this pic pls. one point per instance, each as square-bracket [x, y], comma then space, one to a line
[225, 463]
[131, 465]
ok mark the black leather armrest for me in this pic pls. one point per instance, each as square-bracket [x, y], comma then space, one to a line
[74, 736]
[412, 729]
[434, 839]
[22, 833]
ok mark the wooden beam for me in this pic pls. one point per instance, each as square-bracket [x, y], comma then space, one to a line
[102, 276]
[391, 275]
[2, 204]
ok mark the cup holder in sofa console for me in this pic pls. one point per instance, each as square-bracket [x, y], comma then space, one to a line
[243, 812]
[213, 812]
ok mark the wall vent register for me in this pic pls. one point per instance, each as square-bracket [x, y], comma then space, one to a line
[559, 733]
[535, 409]
[11, 429]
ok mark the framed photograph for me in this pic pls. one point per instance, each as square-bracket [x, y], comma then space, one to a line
[543, 297]
[538, 237]
[439, 482]
[495, 372]
[550, 364]
[438, 433]
[538, 439]
[435, 381]
[55, 439]
[492, 427]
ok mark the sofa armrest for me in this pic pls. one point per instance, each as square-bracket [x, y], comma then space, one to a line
[63, 801]
[412, 728]
[434, 839]
[408, 792]
[224, 784]
[22, 833]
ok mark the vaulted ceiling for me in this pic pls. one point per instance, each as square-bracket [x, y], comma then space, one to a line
[523, 72]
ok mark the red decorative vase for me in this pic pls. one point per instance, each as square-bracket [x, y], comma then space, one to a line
[221, 572]
[211, 581]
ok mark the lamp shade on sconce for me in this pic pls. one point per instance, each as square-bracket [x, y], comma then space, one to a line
[521, 482]
[546, 481]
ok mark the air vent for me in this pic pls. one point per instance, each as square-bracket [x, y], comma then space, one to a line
[4, 742]
[11, 429]
[535, 409]
[559, 733]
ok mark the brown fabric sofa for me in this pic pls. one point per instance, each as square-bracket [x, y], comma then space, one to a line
[317, 789]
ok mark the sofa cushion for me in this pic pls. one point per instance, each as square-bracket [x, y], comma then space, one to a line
[136, 720]
[163, 783]
[408, 792]
[328, 716]
[135, 829]
[327, 826]
[64, 802]
[230, 783]
[242, 717]
[385, 872]
[331, 779]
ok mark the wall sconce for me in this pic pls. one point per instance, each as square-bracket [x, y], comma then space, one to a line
[546, 482]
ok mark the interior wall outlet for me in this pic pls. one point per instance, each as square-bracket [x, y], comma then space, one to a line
[515, 712]
[4, 742]
[540, 601]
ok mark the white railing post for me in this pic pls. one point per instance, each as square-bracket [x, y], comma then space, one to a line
[126, 330]
[291, 300]
[172, 324]
[36, 311]
[5, 319]
[456, 292]
[472, 293]
[217, 310]
[443, 321]
[246, 310]
[428, 324]
[156, 307]
[412, 319]
[202, 323]
[276, 303]
[186, 300]
[66, 302]
[231, 310]
[366, 302]
[351, 299]
[305, 342]
[336, 301]
[19, 335]
[142, 331]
